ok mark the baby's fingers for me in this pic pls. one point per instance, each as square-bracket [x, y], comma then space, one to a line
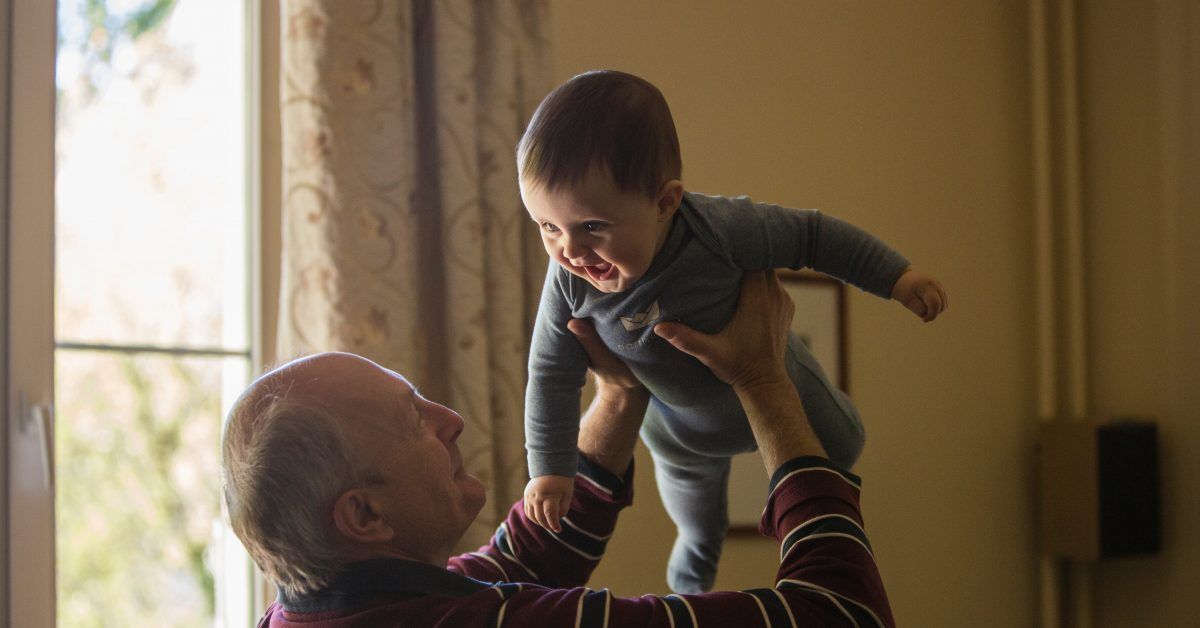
[916, 305]
[934, 303]
[550, 512]
[533, 511]
[564, 504]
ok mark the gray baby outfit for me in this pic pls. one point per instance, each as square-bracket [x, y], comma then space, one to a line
[694, 422]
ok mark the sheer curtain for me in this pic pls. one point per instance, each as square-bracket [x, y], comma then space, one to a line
[404, 237]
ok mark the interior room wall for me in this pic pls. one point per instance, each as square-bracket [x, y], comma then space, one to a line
[1140, 100]
[911, 120]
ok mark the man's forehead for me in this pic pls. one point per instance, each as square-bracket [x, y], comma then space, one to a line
[338, 375]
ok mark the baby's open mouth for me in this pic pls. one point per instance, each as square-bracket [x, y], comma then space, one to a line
[600, 272]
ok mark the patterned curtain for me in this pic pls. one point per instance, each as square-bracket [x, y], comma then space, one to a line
[404, 235]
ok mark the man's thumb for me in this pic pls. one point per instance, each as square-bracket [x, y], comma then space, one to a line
[680, 336]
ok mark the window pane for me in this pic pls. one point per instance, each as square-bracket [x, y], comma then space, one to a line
[151, 249]
[151, 172]
[138, 510]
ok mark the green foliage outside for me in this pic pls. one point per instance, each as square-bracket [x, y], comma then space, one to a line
[137, 445]
[95, 30]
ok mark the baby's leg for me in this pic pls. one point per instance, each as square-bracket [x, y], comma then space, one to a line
[831, 413]
[695, 496]
[694, 492]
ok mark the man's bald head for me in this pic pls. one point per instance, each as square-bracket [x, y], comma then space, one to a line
[332, 459]
[286, 457]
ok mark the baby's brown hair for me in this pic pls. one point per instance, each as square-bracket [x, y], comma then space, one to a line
[607, 119]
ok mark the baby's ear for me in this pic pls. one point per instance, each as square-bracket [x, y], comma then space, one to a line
[670, 195]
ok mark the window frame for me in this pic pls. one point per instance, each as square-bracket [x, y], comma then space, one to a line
[27, 123]
[31, 33]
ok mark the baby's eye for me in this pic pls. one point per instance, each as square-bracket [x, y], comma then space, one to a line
[593, 227]
[549, 228]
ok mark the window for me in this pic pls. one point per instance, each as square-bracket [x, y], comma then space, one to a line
[152, 307]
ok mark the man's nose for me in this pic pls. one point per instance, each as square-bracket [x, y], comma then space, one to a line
[450, 424]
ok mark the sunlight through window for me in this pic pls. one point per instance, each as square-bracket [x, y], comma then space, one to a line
[152, 309]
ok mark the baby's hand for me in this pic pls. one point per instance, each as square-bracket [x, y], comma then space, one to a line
[547, 500]
[921, 293]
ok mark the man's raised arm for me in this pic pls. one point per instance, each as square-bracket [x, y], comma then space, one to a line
[749, 356]
[827, 575]
[827, 571]
[521, 550]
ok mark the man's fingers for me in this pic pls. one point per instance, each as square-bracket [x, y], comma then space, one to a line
[581, 329]
[752, 283]
[682, 337]
[586, 334]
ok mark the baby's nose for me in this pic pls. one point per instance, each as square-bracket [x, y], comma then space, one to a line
[574, 252]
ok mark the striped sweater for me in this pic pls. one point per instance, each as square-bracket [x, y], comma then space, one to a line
[528, 576]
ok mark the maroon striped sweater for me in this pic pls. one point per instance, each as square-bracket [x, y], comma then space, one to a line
[527, 576]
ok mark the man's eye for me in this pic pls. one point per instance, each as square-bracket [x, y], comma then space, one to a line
[549, 228]
[593, 227]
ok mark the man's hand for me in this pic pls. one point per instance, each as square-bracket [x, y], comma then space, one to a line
[751, 347]
[608, 431]
[749, 355]
[921, 293]
[612, 375]
[547, 500]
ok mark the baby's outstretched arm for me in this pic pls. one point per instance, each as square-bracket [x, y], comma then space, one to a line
[921, 293]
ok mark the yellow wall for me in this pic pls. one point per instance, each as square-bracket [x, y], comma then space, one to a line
[1140, 98]
[911, 121]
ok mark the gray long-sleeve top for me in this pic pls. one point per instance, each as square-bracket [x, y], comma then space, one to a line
[694, 279]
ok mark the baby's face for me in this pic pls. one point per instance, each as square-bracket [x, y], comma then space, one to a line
[603, 235]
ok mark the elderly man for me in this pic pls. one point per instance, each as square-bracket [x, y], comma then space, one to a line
[347, 488]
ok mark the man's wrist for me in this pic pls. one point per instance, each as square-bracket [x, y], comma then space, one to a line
[777, 418]
[764, 383]
[610, 480]
[609, 430]
[621, 395]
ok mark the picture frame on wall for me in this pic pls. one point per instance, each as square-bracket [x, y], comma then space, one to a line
[820, 322]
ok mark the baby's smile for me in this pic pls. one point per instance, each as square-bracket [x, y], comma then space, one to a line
[600, 272]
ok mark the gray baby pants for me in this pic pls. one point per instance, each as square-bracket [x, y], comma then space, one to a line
[694, 485]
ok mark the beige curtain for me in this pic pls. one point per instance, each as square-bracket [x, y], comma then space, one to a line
[404, 236]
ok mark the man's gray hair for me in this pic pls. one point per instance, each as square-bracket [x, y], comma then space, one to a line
[285, 460]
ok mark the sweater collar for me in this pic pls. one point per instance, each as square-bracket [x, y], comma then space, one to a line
[361, 583]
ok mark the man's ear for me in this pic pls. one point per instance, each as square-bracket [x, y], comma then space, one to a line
[359, 519]
[670, 195]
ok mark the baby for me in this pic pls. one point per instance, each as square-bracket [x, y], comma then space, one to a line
[600, 170]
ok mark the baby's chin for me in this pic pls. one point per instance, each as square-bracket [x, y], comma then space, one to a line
[605, 289]
[612, 286]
